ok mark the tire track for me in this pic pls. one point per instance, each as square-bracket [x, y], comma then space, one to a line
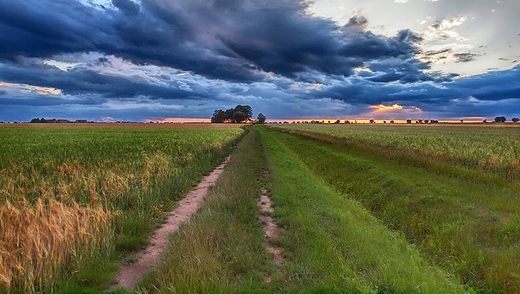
[271, 230]
[128, 276]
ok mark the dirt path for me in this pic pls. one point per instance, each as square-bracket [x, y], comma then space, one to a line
[270, 227]
[147, 258]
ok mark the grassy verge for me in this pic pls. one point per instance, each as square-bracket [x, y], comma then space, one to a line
[220, 249]
[332, 244]
[468, 227]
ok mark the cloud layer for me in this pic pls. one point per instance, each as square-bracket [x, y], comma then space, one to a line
[157, 58]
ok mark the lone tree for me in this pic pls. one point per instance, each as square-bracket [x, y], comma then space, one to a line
[261, 118]
[500, 119]
[515, 119]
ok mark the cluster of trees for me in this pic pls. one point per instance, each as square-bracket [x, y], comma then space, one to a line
[239, 114]
[502, 119]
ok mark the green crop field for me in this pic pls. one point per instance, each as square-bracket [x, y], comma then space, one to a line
[427, 183]
[489, 147]
[73, 197]
[359, 208]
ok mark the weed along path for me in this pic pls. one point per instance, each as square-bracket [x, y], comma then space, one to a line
[147, 258]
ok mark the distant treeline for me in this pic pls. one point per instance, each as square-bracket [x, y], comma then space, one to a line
[498, 119]
[53, 121]
[66, 121]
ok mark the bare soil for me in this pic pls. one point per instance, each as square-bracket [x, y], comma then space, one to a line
[147, 258]
[270, 228]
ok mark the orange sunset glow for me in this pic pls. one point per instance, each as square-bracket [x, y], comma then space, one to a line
[382, 107]
[385, 107]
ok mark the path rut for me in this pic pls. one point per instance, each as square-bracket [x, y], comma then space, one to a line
[270, 228]
[147, 258]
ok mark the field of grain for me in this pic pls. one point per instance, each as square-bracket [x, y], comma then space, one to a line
[489, 147]
[361, 208]
[461, 216]
[72, 195]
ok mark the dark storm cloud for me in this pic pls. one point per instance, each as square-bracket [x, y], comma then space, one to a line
[155, 36]
[486, 93]
[84, 81]
[492, 86]
[126, 6]
[35, 101]
[367, 46]
[221, 39]
[46, 28]
[402, 73]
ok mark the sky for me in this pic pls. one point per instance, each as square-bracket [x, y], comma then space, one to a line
[141, 60]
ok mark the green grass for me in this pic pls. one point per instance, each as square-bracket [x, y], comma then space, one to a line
[332, 243]
[92, 277]
[493, 148]
[220, 249]
[470, 228]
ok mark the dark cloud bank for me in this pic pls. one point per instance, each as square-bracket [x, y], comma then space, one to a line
[269, 54]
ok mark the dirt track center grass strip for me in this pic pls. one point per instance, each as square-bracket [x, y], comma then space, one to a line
[469, 228]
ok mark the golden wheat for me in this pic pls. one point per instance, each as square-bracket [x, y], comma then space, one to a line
[39, 241]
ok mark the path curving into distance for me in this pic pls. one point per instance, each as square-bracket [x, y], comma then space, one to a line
[128, 276]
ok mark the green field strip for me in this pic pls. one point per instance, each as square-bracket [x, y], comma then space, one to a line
[491, 148]
[469, 228]
[332, 244]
